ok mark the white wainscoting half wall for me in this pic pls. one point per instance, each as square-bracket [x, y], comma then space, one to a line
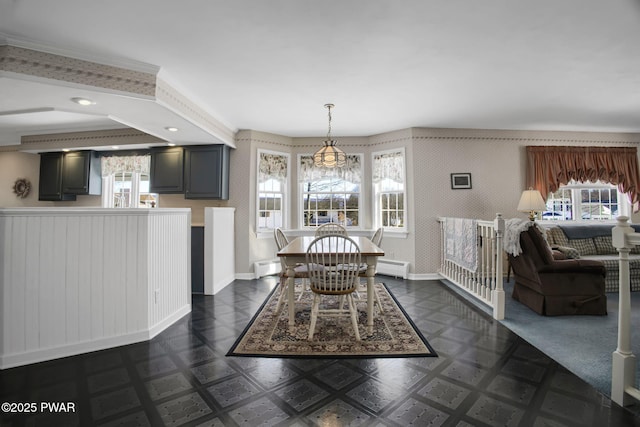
[219, 249]
[74, 280]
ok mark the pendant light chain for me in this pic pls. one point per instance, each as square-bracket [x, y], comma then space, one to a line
[329, 156]
[329, 107]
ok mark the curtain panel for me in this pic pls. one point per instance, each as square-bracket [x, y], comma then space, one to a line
[351, 172]
[116, 164]
[272, 166]
[388, 165]
[550, 166]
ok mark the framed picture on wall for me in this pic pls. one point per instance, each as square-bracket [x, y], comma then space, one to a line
[460, 181]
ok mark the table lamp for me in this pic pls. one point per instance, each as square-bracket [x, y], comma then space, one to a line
[531, 201]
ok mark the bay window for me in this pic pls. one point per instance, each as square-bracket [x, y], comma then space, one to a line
[330, 194]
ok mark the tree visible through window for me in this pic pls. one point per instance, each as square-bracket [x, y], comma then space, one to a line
[330, 194]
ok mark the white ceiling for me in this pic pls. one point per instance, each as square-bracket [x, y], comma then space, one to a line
[385, 64]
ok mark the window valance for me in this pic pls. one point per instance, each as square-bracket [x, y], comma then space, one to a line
[389, 166]
[272, 166]
[115, 164]
[350, 172]
[550, 166]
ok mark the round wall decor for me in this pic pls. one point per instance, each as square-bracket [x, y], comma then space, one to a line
[22, 187]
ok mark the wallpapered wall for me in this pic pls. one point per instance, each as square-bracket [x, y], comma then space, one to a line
[496, 160]
[15, 165]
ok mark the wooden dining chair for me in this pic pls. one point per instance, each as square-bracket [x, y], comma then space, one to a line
[300, 269]
[376, 239]
[331, 228]
[341, 257]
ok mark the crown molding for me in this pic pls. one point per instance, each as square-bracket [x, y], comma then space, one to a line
[26, 60]
[112, 61]
[109, 137]
[170, 98]
[75, 71]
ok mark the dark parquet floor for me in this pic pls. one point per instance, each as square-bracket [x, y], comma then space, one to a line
[484, 375]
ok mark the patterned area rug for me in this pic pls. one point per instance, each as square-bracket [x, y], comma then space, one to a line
[394, 334]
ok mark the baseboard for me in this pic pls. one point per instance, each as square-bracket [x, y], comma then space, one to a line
[165, 323]
[221, 284]
[426, 276]
[43, 355]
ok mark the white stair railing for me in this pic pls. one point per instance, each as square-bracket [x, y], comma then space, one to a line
[486, 282]
[623, 370]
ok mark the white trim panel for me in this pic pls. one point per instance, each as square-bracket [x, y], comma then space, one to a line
[75, 280]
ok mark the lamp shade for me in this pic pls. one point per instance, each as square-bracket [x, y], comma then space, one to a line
[330, 156]
[531, 201]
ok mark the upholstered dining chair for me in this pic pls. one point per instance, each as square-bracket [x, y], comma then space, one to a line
[331, 228]
[342, 257]
[300, 270]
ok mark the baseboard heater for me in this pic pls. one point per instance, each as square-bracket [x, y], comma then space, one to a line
[266, 268]
[392, 267]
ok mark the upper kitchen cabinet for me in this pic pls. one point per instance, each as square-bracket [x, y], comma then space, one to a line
[63, 176]
[81, 173]
[50, 187]
[206, 172]
[166, 170]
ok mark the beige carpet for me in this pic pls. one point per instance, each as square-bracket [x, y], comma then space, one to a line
[394, 334]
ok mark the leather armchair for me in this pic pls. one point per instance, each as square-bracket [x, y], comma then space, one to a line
[553, 287]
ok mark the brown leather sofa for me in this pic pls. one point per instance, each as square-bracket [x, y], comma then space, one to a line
[554, 287]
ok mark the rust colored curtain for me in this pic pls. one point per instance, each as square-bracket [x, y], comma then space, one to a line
[550, 166]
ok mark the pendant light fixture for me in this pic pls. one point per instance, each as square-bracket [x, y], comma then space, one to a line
[329, 156]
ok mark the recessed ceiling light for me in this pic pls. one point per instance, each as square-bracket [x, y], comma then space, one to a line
[115, 147]
[83, 101]
[171, 129]
[66, 150]
[171, 144]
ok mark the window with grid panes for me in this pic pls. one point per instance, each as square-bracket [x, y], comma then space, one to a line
[389, 189]
[585, 201]
[330, 194]
[125, 182]
[272, 190]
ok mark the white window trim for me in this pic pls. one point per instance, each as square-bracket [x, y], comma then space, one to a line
[377, 220]
[623, 203]
[108, 185]
[361, 198]
[264, 233]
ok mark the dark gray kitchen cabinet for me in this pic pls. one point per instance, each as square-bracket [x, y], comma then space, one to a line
[206, 172]
[50, 185]
[63, 176]
[166, 175]
[81, 173]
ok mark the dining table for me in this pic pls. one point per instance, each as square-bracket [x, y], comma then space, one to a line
[295, 253]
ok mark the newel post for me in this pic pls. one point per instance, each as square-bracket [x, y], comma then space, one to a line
[623, 371]
[497, 294]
